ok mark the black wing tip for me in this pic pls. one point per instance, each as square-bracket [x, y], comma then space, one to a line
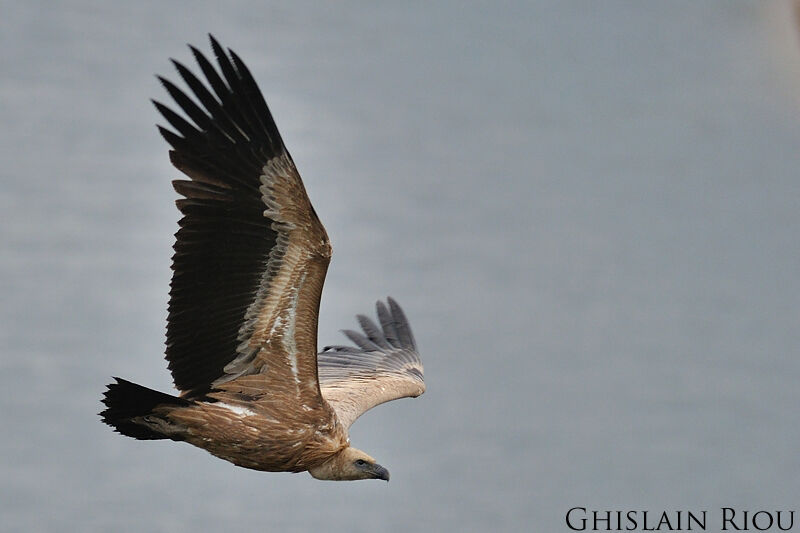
[239, 109]
[171, 137]
[195, 51]
[182, 69]
[161, 107]
[218, 50]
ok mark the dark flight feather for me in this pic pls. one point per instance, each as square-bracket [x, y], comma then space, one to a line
[224, 239]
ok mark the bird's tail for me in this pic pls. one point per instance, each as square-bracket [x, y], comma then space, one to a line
[130, 410]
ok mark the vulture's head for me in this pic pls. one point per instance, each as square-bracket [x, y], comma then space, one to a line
[350, 464]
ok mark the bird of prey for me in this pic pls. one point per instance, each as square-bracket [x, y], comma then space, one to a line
[249, 264]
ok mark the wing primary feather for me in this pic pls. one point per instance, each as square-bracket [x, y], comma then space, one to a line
[198, 190]
[373, 333]
[186, 159]
[188, 131]
[211, 74]
[387, 323]
[197, 87]
[221, 119]
[229, 73]
[360, 340]
[404, 334]
[259, 106]
[198, 116]
[222, 91]
[174, 140]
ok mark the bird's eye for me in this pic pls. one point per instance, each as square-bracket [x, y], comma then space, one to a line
[361, 462]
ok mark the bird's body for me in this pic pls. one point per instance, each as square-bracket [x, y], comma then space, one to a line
[250, 261]
[260, 439]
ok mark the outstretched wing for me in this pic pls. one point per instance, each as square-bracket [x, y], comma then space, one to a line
[250, 255]
[385, 366]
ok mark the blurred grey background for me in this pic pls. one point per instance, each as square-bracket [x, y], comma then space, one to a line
[589, 211]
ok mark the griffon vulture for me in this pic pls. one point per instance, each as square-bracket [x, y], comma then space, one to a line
[250, 260]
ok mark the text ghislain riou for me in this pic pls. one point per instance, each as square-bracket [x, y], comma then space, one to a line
[727, 519]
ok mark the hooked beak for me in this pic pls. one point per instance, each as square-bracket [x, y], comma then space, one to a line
[379, 472]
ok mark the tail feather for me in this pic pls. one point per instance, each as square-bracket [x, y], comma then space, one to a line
[130, 406]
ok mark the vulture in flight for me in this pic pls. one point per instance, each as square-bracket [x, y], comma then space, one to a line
[249, 264]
